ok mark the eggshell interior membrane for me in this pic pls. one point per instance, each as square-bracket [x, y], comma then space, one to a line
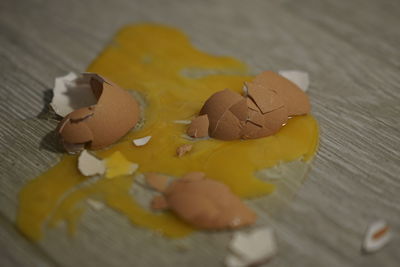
[270, 99]
[102, 124]
[202, 202]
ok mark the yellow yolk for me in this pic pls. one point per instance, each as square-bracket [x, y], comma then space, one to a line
[117, 165]
[175, 79]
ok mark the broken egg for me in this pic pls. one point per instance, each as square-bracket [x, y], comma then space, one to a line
[202, 202]
[295, 100]
[264, 109]
[103, 123]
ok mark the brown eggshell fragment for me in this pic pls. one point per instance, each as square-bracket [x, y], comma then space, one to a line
[262, 125]
[265, 99]
[183, 149]
[205, 203]
[198, 128]
[294, 98]
[240, 109]
[228, 127]
[217, 104]
[115, 113]
[156, 181]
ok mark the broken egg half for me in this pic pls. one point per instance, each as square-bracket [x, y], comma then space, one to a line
[108, 113]
[270, 99]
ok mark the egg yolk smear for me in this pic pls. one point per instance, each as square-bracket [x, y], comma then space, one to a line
[175, 79]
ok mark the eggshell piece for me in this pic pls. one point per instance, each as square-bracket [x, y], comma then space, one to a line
[206, 203]
[156, 181]
[183, 149]
[376, 237]
[293, 97]
[198, 127]
[262, 125]
[89, 165]
[228, 127]
[141, 141]
[217, 104]
[265, 99]
[70, 93]
[239, 109]
[114, 114]
[252, 248]
[300, 78]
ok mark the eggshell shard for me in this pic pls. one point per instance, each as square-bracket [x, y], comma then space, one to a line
[71, 93]
[183, 149]
[262, 125]
[198, 128]
[266, 100]
[300, 78]
[293, 97]
[376, 237]
[89, 165]
[157, 181]
[205, 203]
[141, 141]
[102, 124]
[215, 108]
[252, 248]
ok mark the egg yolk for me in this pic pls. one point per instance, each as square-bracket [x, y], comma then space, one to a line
[174, 79]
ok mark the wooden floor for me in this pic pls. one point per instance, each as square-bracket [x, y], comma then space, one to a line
[350, 49]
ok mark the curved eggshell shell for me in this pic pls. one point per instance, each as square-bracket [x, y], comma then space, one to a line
[262, 125]
[207, 204]
[294, 98]
[115, 113]
[217, 104]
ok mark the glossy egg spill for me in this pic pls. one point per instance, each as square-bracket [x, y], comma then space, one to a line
[175, 79]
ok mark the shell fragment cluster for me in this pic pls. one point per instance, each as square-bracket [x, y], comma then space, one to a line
[269, 100]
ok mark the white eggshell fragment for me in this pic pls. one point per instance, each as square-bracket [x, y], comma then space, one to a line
[70, 92]
[141, 141]
[250, 248]
[377, 236]
[300, 78]
[89, 165]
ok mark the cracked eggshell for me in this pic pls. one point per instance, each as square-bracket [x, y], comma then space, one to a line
[261, 125]
[295, 100]
[71, 93]
[198, 128]
[157, 181]
[266, 100]
[102, 124]
[216, 105]
[206, 203]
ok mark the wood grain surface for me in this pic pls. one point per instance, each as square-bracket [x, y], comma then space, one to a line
[350, 49]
